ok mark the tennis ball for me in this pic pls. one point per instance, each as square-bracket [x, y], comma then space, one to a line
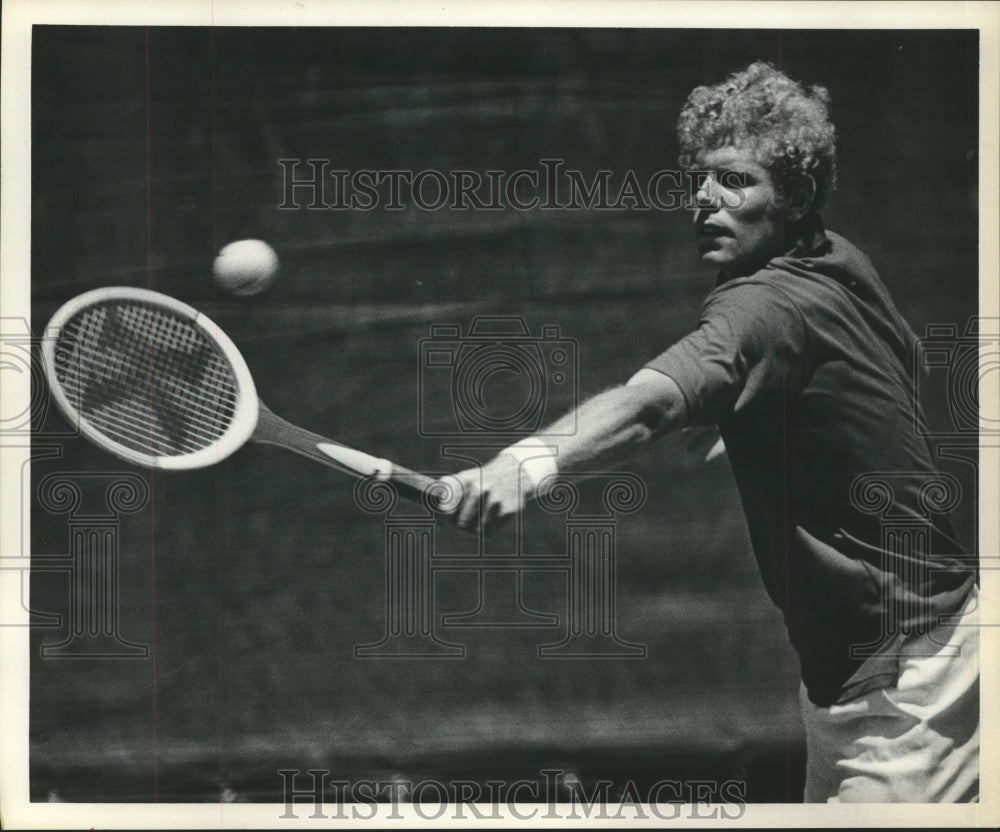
[245, 267]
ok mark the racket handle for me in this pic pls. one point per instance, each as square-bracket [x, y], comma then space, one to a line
[441, 495]
[420, 488]
[273, 430]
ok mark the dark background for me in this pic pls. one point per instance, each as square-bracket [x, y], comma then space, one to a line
[252, 581]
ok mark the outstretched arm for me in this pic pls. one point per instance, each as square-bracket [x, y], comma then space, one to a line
[608, 428]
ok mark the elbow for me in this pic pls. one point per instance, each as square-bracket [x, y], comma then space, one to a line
[658, 404]
[655, 420]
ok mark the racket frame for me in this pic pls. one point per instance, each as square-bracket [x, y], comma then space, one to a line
[247, 408]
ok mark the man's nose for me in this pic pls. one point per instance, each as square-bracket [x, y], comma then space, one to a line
[706, 200]
[702, 214]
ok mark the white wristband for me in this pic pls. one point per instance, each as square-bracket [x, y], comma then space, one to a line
[538, 461]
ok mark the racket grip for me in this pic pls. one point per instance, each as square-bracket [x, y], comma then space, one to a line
[441, 495]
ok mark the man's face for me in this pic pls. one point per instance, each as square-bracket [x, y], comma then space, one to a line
[743, 225]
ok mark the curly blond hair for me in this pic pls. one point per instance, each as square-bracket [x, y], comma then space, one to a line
[784, 124]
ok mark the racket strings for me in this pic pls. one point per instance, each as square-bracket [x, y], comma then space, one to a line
[146, 377]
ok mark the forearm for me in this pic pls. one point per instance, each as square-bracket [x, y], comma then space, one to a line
[599, 434]
[611, 426]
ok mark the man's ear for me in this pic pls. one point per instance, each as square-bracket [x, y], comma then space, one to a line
[799, 197]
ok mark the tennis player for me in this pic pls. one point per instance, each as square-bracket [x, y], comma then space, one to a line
[804, 363]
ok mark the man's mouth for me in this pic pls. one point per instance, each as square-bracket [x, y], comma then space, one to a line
[709, 230]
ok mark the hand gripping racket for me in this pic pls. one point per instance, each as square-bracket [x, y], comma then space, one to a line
[156, 383]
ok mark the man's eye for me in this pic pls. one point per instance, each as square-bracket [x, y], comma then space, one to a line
[735, 179]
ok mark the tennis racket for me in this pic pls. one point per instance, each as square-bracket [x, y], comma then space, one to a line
[155, 382]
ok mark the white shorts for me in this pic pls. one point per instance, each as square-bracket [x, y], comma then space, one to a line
[914, 742]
